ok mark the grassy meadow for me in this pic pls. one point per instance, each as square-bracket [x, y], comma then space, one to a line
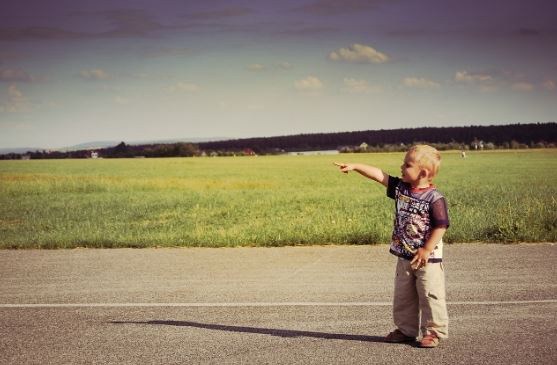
[499, 196]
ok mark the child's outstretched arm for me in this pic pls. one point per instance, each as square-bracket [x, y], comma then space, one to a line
[368, 171]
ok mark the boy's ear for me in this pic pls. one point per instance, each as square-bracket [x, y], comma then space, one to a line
[424, 174]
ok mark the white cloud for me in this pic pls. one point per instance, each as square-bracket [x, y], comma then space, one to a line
[15, 75]
[522, 86]
[484, 81]
[284, 66]
[549, 85]
[309, 84]
[16, 102]
[15, 93]
[94, 74]
[255, 67]
[353, 86]
[359, 53]
[184, 87]
[420, 83]
[464, 76]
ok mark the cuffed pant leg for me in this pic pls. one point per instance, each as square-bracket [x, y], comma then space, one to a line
[406, 300]
[430, 285]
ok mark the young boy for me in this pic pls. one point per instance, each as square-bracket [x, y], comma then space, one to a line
[420, 223]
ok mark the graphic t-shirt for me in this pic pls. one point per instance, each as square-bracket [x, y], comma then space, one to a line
[417, 212]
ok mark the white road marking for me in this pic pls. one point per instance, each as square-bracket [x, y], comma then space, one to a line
[257, 304]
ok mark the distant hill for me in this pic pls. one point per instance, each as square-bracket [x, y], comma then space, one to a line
[18, 150]
[106, 144]
[90, 146]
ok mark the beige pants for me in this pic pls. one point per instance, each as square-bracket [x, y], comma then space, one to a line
[419, 300]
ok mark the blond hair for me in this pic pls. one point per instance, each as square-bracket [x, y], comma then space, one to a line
[427, 158]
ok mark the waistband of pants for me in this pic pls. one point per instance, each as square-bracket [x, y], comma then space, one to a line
[409, 258]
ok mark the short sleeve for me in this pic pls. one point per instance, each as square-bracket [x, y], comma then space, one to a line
[439, 214]
[391, 186]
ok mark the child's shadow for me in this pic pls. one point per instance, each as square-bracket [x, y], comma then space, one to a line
[265, 331]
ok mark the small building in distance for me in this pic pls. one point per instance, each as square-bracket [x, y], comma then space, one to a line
[249, 152]
[314, 153]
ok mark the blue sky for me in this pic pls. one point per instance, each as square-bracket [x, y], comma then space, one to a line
[76, 71]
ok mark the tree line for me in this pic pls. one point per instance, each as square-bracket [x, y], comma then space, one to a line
[534, 135]
[525, 135]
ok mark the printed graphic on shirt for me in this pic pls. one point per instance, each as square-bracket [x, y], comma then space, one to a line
[413, 220]
[412, 225]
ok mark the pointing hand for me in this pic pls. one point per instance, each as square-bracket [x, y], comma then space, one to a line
[344, 167]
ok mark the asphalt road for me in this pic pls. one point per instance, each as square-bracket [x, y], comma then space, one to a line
[292, 305]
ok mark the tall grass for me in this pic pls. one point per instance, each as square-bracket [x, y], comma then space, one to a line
[263, 201]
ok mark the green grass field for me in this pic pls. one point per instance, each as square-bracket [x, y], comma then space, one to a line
[264, 201]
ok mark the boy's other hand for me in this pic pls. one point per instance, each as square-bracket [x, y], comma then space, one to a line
[420, 259]
[344, 167]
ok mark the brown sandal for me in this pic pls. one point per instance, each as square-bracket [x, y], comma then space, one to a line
[429, 341]
[397, 336]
